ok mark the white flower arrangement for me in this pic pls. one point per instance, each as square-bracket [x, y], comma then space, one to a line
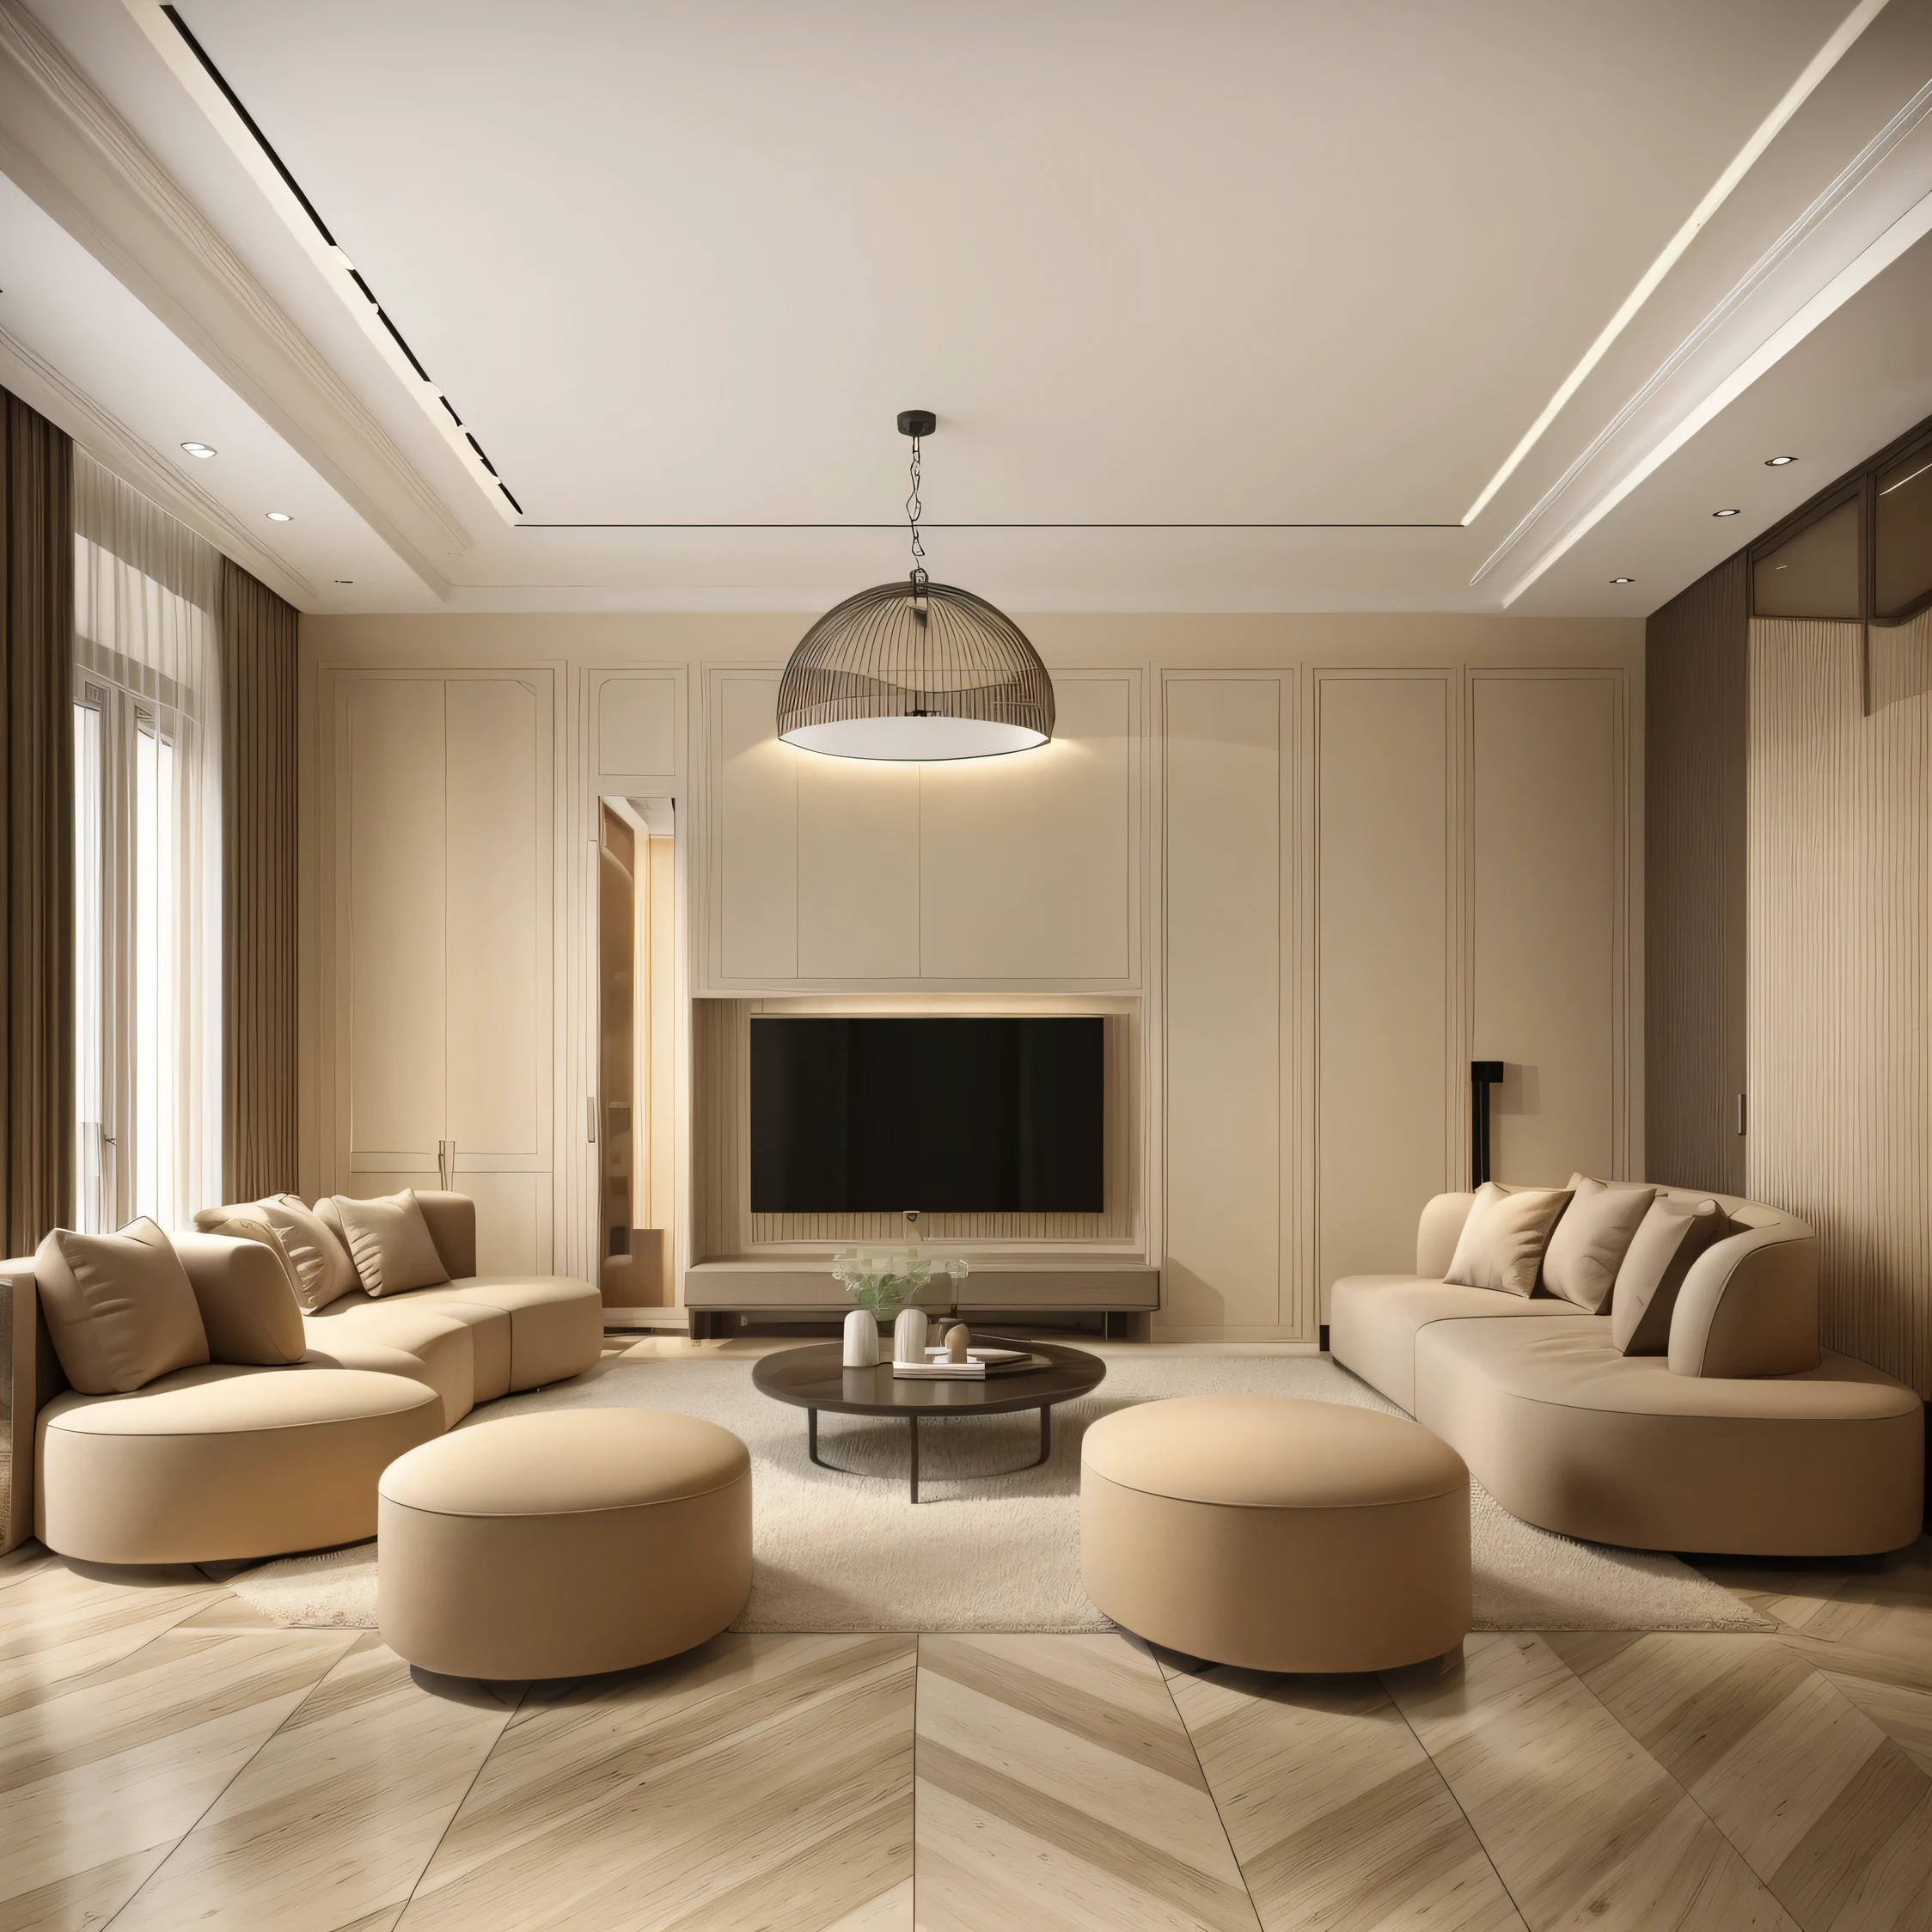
[884, 1280]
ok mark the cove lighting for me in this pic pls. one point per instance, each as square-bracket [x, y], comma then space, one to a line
[202, 450]
[280, 516]
[1778, 462]
[1724, 513]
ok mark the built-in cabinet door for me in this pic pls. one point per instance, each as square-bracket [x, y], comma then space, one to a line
[437, 1023]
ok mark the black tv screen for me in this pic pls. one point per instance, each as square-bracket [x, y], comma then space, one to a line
[870, 1115]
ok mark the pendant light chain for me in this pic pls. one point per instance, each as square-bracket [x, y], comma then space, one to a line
[914, 510]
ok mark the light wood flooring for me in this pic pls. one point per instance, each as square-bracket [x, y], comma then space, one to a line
[168, 1760]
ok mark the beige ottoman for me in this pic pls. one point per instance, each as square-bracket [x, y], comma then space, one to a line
[1276, 1534]
[565, 1543]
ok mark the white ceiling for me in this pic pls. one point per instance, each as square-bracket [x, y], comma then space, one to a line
[1212, 263]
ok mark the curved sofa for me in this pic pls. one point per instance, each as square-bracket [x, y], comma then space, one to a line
[227, 1461]
[1747, 1438]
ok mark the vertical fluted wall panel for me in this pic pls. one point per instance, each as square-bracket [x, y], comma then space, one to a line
[1697, 662]
[259, 934]
[1841, 970]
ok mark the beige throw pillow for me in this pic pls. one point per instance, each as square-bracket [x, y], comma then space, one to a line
[390, 1242]
[321, 1264]
[119, 1307]
[1670, 1238]
[1503, 1239]
[1591, 1240]
[245, 1285]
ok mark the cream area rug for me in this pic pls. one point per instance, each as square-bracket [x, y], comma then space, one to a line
[984, 1550]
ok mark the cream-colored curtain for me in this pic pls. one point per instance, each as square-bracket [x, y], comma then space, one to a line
[148, 859]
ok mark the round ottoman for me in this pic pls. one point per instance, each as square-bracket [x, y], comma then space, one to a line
[1276, 1534]
[563, 1544]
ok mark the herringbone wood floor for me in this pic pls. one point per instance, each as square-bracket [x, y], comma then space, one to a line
[168, 1760]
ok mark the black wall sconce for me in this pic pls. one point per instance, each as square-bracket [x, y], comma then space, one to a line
[1483, 1075]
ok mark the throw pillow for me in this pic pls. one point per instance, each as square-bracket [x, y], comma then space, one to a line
[1590, 1241]
[1669, 1239]
[245, 1285]
[1503, 1239]
[321, 1264]
[120, 1308]
[390, 1242]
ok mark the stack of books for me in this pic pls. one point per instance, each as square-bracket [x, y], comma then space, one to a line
[938, 1368]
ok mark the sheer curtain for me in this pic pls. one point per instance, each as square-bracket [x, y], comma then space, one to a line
[147, 859]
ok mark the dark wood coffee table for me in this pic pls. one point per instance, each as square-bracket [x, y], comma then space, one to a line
[814, 1377]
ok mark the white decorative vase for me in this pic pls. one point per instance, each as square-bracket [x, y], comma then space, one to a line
[909, 1335]
[861, 1340]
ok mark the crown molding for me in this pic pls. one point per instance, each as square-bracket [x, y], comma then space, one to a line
[1873, 208]
[115, 446]
[69, 149]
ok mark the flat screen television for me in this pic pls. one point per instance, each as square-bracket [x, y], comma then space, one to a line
[970, 1115]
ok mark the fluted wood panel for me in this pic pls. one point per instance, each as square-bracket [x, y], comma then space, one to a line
[1840, 972]
[1696, 661]
[259, 862]
[36, 825]
[721, 1188]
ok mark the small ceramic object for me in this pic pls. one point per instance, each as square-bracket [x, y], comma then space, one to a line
[861, 1340]
[957, 1342]
[909, 1335]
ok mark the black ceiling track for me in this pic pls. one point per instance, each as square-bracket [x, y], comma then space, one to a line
[309, 208]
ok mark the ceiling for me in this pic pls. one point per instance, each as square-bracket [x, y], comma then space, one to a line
[1220, 306]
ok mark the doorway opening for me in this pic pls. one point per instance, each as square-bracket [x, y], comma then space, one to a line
[636, 943]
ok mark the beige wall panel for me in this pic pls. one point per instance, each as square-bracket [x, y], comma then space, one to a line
[1026, 861]
[1840, 1001]
[857, 869]
[636, 725]
[389, 836]
[499, 1020]
[1546, 881]
[1224, 771]
[1384, 927]
[757, 833]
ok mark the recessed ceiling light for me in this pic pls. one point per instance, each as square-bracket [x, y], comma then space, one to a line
[280, 516]
[344, 580]
[1623, 580]
[1778, 462]
[1724, 513]
[201, 450]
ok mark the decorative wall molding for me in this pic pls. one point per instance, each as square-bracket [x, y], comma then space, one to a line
[1873, 208]
[74, 154]
[115, 446]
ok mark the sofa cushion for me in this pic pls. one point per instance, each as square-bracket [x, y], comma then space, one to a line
[1671, 1235]
[1749, 1306]
[1591, 1240]
[1373, 1320]
[556, 1324]
[1567, 1432]
[1503, 1241]
[359, 1316]
[322, 1268]
[222, 1461]
[120, 1308]
[432, 1345]
[245, 1288]
[390, 1242]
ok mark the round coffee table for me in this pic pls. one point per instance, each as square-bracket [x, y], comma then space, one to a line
[814, 1377]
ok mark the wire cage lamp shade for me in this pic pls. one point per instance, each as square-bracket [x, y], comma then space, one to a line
[915, 669]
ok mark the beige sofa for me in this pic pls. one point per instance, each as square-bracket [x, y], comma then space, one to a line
[1748, 1438]
[230, 1460]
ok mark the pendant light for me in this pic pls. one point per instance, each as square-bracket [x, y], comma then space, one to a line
[917, 670]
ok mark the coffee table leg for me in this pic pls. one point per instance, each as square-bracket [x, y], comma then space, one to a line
[1046, 1431]
[914, 1421]
[811, 1437]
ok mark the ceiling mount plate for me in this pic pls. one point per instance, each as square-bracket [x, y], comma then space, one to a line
[917, 422]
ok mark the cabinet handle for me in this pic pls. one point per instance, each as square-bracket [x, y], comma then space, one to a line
[590, 1117]
[445, 1160]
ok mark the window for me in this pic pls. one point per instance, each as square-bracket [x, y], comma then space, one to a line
[147, 1057]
